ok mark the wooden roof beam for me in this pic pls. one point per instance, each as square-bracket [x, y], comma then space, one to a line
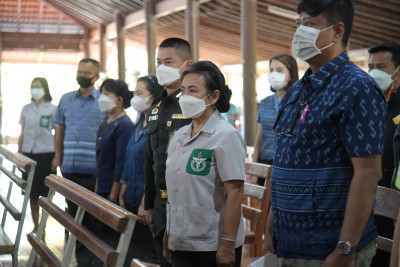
[163, 9]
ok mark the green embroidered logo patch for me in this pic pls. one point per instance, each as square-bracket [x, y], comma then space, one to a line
[44, 121]
[199, 162]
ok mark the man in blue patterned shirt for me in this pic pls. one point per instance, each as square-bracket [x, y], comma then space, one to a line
[77, 119]
[327, 162]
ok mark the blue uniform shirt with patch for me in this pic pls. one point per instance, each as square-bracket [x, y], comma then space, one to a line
[312, 171]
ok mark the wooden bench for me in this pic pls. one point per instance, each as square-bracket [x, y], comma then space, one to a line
[387, 205]
[10, 163]
[105, 211]
[257, 215]
[139, 263]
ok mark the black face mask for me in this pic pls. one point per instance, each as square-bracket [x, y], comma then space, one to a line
[83, 81]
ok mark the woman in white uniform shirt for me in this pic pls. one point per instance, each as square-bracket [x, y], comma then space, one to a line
[205, 173]
[36, 140]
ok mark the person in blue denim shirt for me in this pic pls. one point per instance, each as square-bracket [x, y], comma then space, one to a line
[283, 73]
[132, 179]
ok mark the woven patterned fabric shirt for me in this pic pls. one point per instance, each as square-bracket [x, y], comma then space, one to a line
[81, 117]
[312, 171]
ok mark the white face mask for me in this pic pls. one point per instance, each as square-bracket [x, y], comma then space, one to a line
[106, 103]
[191, 106]
[167, 75]
[140, 103]
[37, 93]
[277, 80]
[383, 79]
[303, 43]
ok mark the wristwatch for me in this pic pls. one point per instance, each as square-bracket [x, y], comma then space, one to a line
[345, 248]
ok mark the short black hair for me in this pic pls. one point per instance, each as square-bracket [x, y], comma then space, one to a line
[93, 61]
[120, 89]
[43, 82]
[333, 10]
[392, 47]
[152, 85]
[182, 47]
[214, 80]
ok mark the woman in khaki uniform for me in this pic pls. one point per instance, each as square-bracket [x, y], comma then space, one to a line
[205, 172]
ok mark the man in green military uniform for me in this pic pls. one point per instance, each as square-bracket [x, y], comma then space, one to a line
[164, 118]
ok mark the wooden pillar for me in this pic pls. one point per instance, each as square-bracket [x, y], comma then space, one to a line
[102, 44]
[150, 27]
[86, 39]
[192, 27]
[248, 38]
[120, 22]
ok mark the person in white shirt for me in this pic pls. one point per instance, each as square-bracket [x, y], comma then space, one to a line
[204, 175]
[36, 140]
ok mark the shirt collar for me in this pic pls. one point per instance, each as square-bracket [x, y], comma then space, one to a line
[209, 127]
[317, 79]
[93, 93]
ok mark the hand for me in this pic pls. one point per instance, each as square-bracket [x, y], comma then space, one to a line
[142, 213]
[336, 259]
[56, 162]
[150, 220]
[226, 254]
[166, 252]
[268, 247]
[113, 198]
[122, 202]
[122, 195]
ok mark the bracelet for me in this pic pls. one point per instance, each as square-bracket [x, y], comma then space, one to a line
[227, 239]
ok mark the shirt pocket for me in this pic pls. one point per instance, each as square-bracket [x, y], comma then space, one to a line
[199, 223]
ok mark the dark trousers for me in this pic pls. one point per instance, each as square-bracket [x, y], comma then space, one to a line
[84, 257]
[160, 221]
[200, 259]
[142, 244]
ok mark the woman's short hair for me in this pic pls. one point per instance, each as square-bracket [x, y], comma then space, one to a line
[291, 64]
[214, 80]
[118, 88]
[152, 85]
[43, 82]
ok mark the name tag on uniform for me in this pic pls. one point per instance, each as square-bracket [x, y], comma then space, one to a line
[177, 116]
[153, 118]
[396, 119]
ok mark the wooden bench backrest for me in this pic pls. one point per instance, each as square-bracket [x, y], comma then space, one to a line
[104, 210]
[387, 205]
[257, 214]
[107, 212]
[10, 162]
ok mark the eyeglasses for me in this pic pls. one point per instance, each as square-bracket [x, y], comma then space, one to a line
[290, 133]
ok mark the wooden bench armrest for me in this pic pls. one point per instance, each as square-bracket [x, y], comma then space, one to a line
[6, 245]
[18, 181]
[253, 190]
[250, 213]
[139, 263]
[44, 252]
[104, 210]
[384, 207]
[10, 208]
[18, 159]
[384, 243]
[258, 169]
[101, 249]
